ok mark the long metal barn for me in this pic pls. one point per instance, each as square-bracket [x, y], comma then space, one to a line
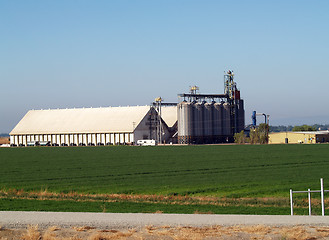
[92, 126]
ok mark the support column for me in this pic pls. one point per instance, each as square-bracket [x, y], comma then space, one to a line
[309, 202]
[322, 196]
[291, 204]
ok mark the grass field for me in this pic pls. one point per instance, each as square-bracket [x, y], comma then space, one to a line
[236, 175]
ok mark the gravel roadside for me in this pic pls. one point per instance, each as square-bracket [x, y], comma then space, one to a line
[13, 219]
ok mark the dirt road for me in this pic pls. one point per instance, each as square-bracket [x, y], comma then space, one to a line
[96, 226]
[139, 220]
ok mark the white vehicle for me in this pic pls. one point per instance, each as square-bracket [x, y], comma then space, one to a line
[44, 143]
[146, 142]
[5, 145]
[32, 143]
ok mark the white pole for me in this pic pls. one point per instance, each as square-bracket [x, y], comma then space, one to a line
[291, 204]
[309, 202]
[322, 196]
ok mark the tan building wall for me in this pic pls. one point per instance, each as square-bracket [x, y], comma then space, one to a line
[298, 137]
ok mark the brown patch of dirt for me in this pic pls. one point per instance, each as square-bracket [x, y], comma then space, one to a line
[167, 232]
[4, 140]
[83, 228]
[168, 199]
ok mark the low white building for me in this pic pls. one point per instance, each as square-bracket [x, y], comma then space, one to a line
[93, 126]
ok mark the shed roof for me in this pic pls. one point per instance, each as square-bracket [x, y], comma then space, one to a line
[304, 132]
[81, 120]
[169, 115]
[87, 120]
[313, 132]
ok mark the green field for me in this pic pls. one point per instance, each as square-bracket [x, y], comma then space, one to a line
[222, 171]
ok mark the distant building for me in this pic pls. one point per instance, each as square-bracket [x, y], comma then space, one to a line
[299, 137]
[93, 126]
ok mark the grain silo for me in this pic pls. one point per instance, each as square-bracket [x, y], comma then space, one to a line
[211, 118]
[208, 122]
[226, 118]
[218, 122]
[240, 116]
[198, 122]
[185, 122]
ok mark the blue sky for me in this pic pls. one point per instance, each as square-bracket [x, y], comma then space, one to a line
[66, 54]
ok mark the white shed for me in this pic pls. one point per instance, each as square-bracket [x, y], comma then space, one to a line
[91, 126]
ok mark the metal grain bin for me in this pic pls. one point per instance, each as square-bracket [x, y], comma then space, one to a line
[208, 119]
[227, 128]
[198, 122]
[240, 116]
[218, 120]
[185, 122]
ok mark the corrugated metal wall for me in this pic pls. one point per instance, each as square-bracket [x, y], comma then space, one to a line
[207, 122]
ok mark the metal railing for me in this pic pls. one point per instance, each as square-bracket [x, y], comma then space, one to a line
[309, 191]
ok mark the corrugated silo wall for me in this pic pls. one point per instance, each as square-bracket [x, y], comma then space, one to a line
[208, 122]
[185, 122]
[227, 128]
[218, 122]
[241, 117]
[198, 123]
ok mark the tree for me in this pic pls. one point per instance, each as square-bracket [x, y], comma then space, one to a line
[263, 133]
[303, 128]
[260, 134]
[240, 138]
[254, 136]
[280, 128]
